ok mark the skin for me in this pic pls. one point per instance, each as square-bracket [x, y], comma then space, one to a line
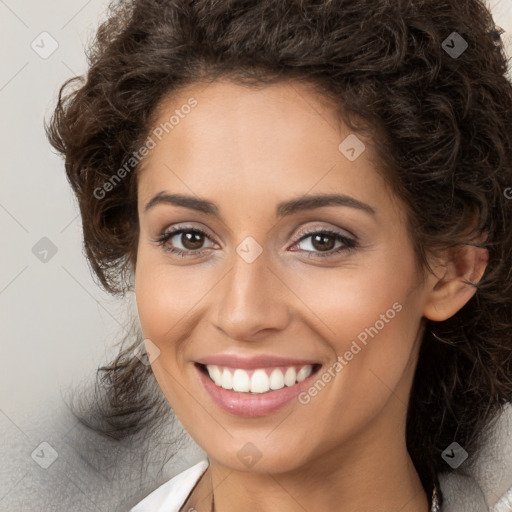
[247, 149]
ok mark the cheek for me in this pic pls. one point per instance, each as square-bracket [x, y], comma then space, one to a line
[165, 299]
[374, 318]
[166, 295]
[350, 299]
[369, 315]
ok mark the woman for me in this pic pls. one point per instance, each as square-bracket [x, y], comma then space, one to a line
[309, 201]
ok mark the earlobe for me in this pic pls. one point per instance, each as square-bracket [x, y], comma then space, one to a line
[454, 283]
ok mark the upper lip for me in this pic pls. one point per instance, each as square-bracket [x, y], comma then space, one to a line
[261, 361]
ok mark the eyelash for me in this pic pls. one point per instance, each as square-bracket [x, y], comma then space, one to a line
[348, 243]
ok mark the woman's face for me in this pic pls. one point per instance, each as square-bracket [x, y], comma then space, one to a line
[281, 273]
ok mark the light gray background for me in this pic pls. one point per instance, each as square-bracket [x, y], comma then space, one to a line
[58, 326]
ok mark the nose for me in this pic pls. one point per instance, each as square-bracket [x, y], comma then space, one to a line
[251, 299]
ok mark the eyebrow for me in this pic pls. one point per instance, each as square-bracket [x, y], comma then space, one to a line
[283, 209]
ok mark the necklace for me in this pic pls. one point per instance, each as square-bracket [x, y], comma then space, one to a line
[435, 502]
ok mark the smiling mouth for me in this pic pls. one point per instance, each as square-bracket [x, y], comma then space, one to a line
[258, 380]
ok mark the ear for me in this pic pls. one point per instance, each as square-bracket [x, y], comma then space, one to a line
[449, 290]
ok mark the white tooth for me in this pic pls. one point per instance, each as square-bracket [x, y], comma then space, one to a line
[215, 374]
[290, 376]
[227, 379]
[304, 372]
[276, 379]
[240, 380]
[259, 382]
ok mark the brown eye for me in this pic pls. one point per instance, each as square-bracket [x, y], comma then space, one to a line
[183, 241]
[323, 243]
[191, 240]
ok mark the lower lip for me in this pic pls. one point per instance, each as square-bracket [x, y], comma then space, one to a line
[253, 404]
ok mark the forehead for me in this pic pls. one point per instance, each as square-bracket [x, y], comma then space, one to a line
[270, 140]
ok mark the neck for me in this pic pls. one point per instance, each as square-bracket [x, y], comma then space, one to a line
[387, 488]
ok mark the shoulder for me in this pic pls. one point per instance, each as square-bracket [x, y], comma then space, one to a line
[171, 495]
[484, 481]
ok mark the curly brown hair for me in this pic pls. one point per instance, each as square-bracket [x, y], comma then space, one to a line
[441, 125]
